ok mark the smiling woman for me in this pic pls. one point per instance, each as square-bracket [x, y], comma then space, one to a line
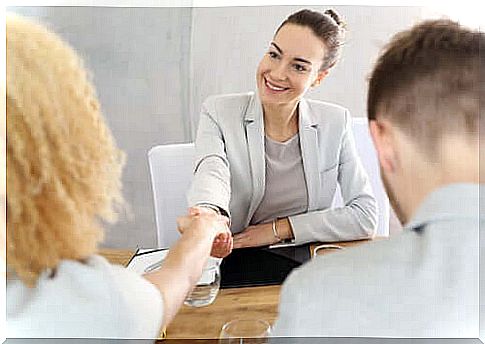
[291, 66]
[271, 160]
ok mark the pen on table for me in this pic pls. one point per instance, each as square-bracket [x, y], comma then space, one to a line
[285, 244]
[154, 266]
[150, 251]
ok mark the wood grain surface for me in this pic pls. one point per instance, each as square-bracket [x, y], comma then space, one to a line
[237, 303]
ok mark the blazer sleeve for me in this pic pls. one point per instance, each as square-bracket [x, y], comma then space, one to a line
[357, 219]
[211, 183]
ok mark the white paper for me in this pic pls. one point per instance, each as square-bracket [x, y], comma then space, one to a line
[139, 264]
[142, 263]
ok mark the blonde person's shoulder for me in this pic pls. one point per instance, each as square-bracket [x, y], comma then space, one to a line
[135, 294]
[126, 292]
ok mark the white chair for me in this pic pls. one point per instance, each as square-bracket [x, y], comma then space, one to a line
[368, 156]
[171, 174]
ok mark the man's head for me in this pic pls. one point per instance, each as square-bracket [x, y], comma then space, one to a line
[423, 108]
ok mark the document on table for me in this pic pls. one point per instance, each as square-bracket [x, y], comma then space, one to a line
[146, 260]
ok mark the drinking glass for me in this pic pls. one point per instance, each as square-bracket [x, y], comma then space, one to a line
[245, 331]
[206, 289]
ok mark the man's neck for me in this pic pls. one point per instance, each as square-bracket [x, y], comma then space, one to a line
[427, 181]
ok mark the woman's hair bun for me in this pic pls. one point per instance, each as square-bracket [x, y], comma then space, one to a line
[334, 15]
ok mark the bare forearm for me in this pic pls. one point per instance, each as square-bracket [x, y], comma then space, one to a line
[264, 234]
[181, 269]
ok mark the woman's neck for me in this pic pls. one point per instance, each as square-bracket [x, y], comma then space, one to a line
[281, 121]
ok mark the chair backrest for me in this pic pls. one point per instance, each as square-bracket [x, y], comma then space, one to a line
[368, 156]
[171, 174]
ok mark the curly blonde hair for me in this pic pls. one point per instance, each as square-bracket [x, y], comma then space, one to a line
[63, 167]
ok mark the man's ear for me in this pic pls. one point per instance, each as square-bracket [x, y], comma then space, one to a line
[320, 76]
[382, 133]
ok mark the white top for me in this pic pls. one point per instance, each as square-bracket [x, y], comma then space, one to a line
[89, 300]
[285, 191]
[421, 283]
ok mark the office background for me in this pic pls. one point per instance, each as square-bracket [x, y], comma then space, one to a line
[153, 67]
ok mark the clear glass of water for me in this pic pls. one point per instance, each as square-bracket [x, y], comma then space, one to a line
[247, 331]
[206, 289]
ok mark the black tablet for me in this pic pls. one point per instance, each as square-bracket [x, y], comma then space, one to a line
[249, 267]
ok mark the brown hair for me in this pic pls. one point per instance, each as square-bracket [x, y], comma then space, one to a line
[63, 167]
[329, 27]
[427, 81]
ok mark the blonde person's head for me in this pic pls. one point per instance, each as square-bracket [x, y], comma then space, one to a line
[63, 167]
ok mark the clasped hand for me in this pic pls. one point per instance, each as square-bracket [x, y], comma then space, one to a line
[224, 242]
[206, 219]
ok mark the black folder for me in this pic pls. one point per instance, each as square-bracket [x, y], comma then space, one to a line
[249, 267]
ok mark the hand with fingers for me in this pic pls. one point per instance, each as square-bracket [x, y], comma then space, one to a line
[257, 235]
[264, 234]
[222, 245]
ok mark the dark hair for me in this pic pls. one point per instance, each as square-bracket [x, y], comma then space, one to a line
[427, 81]
[329, 27]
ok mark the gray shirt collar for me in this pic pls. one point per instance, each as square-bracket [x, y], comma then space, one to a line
[453, 201]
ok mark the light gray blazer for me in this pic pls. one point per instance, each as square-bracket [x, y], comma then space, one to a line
[229, 168]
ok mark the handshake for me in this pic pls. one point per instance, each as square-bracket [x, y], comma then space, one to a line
[207, 222]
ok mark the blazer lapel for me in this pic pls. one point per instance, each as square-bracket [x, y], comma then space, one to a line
[310, 153]
[253, 121]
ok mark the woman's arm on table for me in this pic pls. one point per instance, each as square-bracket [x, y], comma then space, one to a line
[264, 234]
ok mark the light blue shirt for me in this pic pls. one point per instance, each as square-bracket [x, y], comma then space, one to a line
[417, 284]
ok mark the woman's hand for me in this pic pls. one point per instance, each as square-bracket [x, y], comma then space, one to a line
[257, 235]
[263, 235]
[202, 221]
[222, 245]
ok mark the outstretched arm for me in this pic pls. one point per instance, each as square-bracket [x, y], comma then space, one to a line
[183, 265]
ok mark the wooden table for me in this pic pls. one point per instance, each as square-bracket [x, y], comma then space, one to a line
[230, 304]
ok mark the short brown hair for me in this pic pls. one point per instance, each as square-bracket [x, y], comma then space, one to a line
[427, 81]
[327, 26]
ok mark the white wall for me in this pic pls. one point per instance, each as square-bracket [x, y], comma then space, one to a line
[140, 61]
[228, 43]
[153, 67]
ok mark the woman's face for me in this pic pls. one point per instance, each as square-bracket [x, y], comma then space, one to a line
[290, 66]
